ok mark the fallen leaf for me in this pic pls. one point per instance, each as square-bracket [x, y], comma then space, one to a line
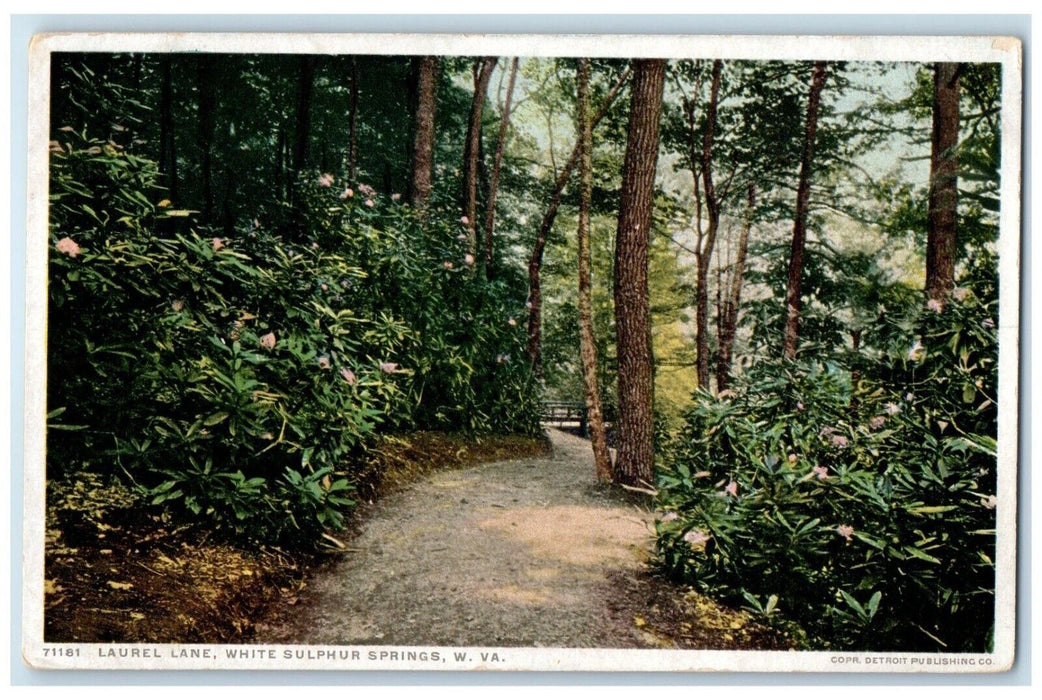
[120, 586]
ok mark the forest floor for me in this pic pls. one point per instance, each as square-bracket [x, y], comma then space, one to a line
[119, 570]
[523, 552]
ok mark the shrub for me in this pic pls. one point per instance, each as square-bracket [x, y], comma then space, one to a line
[239, 377]
[864, 512]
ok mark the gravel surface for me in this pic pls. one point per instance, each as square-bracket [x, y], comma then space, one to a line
[515, 553]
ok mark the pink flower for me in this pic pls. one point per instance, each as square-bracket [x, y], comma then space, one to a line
[370, 203]
[793, 458]
[268, 341]
[893, 409]
[702, 475]
[909, 397]
[696, 538]
[731, 489]
[178, 305]
[347, 193]
[389, 367]
[314, 245]
[366, 190]
[845, 531]
[960, 294]
[217, 244]
[528, 304]
[877, 422]
[324, 363]
[348, 376]
[821, 472]
[447, 265]
[840, 441]
[325, 180]
[669, 517]
[69, 247]
[512, 322]
[469, 259]
[935, 305]
[395, 197]
[324, 287]
[800, 406]
[988, 323]
[464, 220]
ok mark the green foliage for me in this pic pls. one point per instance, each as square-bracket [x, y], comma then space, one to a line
[238, 378]
[864, 510]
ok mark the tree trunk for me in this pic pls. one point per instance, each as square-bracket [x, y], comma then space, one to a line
[423, 141]
[206, 83]
[535, 262]
[352, 126]
[167, 146]
[799, 227]
[493, 187]
[301, 150]
[635, 462]
[729, 315]
[482, 74]
[705, 251]
[587, 347]
[942, 217]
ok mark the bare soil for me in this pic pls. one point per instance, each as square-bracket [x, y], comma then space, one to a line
[117, 570]
[523, 552]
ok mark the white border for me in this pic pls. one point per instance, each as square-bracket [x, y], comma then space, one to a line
[1004, 50]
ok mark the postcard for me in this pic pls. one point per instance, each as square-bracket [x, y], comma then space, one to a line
[518, 352]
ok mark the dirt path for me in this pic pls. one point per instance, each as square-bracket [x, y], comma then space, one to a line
[515, 553]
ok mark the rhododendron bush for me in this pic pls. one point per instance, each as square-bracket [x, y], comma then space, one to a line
[239, 376]
[855, 503]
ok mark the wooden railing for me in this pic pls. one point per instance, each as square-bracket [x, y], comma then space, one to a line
[566, 414]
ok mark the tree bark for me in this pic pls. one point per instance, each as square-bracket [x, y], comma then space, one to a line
[729, 314]
[482, 74]
[535, 262]
[423, 141]
[167, 146]
[301, 149]
[206, 83]
[799, 227]
[587, 346]
[635, 462]
[493, 187]
[352, 125]
[705, 251]
[942, 216]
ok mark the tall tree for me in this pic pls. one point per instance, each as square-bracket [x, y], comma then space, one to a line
[167, 147]
[472, 148]
[206, 83]
[635, 462]
[799, 227]
[352, 125]
[942, 215]
[305, 87]
[493, 187]
[423, 140]
[706, 240]
[535, 260]
[729, 312]
[587, 347]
